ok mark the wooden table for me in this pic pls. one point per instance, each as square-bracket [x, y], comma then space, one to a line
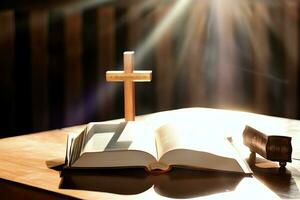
[26, 161]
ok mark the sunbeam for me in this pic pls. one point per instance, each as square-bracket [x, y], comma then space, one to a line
[165, 23]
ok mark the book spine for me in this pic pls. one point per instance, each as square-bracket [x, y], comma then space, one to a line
[279, 148]
[158, 168]
[255, 140]
[275, 148]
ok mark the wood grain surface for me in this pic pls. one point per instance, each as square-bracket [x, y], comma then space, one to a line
[26, 161]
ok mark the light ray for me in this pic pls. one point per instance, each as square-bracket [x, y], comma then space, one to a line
[175, 12]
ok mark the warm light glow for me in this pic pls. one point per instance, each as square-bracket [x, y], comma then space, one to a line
[164, 24]
[212, 46]
[258, 189]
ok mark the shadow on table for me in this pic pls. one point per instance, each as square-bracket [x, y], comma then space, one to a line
[178, 183]
[279, 180]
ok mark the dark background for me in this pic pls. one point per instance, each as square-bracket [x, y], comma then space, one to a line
[54, 55]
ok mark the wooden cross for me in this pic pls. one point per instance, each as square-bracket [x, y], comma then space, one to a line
[129, 76]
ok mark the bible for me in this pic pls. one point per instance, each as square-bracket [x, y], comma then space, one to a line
[271, 147]
[157, 149]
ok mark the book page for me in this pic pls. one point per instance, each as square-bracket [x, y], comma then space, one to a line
[189, 146]
[170, 137]
[109, 137]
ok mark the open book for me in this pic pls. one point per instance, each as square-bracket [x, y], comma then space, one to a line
[137, 144]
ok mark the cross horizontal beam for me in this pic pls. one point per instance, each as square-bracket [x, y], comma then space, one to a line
[129, 76]
[135, 76]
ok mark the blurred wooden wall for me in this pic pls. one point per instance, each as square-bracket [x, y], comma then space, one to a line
[53, 61]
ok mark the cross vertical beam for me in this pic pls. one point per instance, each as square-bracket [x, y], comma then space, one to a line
[129, 76]
[129, 89]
